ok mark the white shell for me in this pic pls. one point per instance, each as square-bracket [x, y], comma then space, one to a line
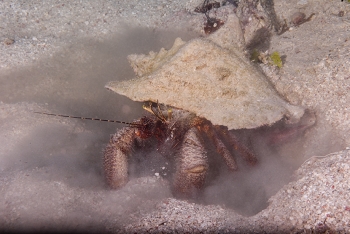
[210, 77]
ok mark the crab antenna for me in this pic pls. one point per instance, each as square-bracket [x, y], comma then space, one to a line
[88, 118]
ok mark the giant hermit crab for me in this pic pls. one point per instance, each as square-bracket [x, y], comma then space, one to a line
[179, 132]
[209, 84]
[207, 87]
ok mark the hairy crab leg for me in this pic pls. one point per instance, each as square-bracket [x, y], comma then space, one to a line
[244, 151]
[191, 166]
[220, 147]
[115, 159]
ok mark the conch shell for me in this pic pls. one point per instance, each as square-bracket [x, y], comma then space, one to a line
[210, 77]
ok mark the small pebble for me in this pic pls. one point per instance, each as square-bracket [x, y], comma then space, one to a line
[302, 2]
[9, 41]
[298, 18]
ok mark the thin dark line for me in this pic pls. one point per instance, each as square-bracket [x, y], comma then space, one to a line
[89, 118]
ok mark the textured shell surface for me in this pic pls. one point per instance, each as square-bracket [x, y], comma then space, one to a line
[212, 78]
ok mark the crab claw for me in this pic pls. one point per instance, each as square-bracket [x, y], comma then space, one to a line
[115, 158]
[191, 166]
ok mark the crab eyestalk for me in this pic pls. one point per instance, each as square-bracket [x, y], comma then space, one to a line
[159, 113]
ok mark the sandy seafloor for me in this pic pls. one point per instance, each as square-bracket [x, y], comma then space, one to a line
[56, 56]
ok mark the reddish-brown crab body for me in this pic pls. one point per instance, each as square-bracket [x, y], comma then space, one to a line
[180, 134]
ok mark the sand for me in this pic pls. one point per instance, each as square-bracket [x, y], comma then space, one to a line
[56, 56]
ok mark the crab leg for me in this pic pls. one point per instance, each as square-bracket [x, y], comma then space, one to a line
[221, 148]
[246, 153]
[115, 160]
[191, 166]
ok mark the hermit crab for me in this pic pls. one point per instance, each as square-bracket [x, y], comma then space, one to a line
[181, 136]
[206, 88]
